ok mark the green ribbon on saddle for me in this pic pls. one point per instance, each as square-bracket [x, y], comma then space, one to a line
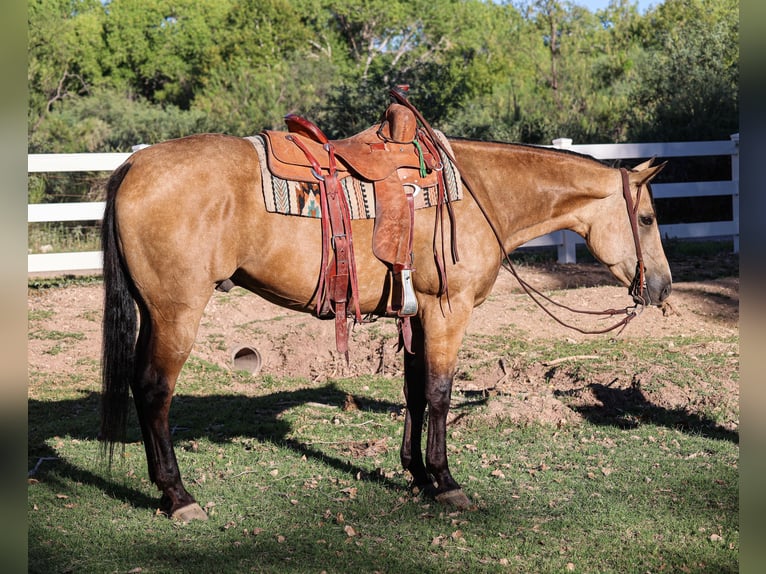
[421, 158]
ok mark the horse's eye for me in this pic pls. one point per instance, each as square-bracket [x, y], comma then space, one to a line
[646, 220]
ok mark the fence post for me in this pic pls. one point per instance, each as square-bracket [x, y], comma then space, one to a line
[567, 249]
[735, 195]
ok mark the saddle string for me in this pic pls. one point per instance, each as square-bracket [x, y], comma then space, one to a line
[428, 138]
[433, 140]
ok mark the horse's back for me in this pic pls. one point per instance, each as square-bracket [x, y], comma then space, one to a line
[191, 213]
[175, 170]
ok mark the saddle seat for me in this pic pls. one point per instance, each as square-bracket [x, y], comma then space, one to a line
[393, 155]
[372, 155]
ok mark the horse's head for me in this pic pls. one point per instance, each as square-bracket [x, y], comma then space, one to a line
[612, 239]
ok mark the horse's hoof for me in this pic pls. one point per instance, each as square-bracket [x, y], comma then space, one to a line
[189, 512]
[455, 498]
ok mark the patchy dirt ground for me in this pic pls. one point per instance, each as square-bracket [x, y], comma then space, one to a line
[298, 345]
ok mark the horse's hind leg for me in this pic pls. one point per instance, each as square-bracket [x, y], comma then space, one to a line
[164, 343]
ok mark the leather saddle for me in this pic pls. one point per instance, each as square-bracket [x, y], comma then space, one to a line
[399, 158]
[388, 154]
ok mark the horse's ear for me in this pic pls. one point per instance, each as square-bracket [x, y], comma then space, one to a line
[649, 174]
[644, 176]
[647, 164]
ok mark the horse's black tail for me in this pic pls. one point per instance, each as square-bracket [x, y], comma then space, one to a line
[119, 328]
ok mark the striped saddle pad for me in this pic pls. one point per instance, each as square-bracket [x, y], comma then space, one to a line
[302, 197]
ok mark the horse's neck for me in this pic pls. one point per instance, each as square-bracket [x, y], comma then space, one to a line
[527, 192]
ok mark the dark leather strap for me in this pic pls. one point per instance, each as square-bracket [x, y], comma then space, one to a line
[638, 283]
[434, 145]
[334, 280]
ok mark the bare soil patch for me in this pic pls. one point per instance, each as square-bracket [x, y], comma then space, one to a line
[64, 337]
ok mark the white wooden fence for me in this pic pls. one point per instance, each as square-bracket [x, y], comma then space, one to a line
[565, 241]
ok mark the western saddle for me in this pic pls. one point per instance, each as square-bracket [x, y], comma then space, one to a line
[399, 158]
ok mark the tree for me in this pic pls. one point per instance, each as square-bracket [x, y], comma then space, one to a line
[64, 56]
[583, 62]
[267, 64]
[436, 47]
[161, 51]
[103, 75]
[688, 88]
[558, 70]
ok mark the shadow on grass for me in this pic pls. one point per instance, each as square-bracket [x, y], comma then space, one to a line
[629, 408]
[221, 418]
[218, 418]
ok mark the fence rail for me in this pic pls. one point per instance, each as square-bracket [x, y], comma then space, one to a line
[565, 241]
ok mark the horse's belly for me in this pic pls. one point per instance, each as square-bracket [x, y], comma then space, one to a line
[286, 271]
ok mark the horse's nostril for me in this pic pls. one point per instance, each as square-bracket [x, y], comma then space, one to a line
[665, 292]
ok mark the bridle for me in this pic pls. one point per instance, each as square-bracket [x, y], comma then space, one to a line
[637, 285]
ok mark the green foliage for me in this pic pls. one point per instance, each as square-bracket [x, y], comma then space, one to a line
[105, 76]
[163, 50]
[690, 72]
[65, 51]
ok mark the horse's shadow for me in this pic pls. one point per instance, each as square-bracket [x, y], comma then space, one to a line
[628, 408]
[221, 418]
[218, 418]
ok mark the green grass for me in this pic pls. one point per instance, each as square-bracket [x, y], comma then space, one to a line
[293, 482]
[63, 237]
[39, 283]
[650, 500]
[54, 335]
[61, 338]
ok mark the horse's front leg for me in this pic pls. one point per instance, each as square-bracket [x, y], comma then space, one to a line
[438, 395]
[442, 339]
[415, 397]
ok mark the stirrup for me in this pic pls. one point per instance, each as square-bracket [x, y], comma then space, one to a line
[409, 301]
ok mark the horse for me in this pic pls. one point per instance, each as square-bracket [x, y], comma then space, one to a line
[184, 215]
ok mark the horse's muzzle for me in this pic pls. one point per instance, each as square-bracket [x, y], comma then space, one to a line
[655, 292]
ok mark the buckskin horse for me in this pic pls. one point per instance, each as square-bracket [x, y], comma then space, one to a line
[185, 215]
